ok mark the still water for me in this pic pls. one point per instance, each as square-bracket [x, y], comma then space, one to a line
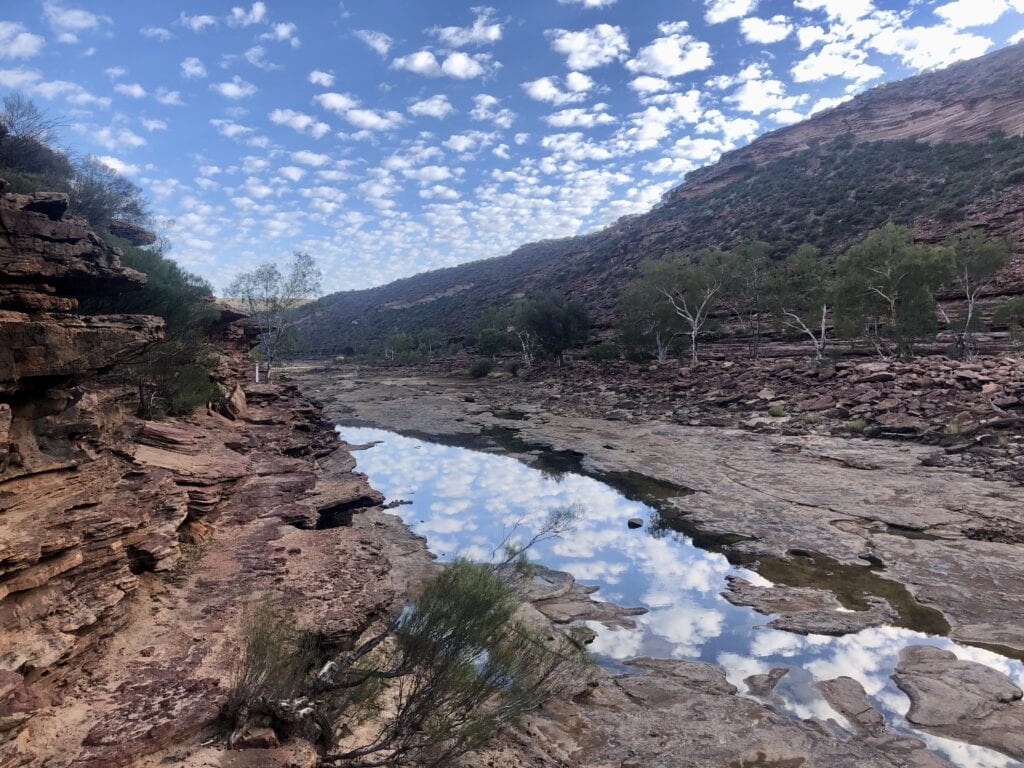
[465, 501]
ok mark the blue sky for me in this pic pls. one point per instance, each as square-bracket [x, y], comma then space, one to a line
[394, 136]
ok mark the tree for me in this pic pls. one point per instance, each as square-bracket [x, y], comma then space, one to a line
[691, 288]
[271, 297]
[429, 339]
[1011, 314]
[648, 322]
[886, 287]
[802, 293]
[555, 322]
[102, 195]
[398, 344]
[748, 271]
[22, 119]
[978, 260]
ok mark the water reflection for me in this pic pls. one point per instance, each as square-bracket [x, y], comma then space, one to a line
[466, 501]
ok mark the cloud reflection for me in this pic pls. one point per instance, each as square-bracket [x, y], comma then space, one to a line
[465, 502]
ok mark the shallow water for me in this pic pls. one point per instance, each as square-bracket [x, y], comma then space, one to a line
[466, 501]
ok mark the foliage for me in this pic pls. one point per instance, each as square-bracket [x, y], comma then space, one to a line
[171, 376]
[1011, 314]
[271, 298]
[978, 259]
[602, 352]
[647, 324]
[801, 292]
[692, 288]
[886, 289]
[747, 269]
[542, 323]
[481, 368]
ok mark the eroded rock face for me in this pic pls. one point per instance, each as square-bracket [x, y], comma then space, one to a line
[962, 699]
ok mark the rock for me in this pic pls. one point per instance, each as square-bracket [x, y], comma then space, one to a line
[962, 700]
[847, 696]
[133, 233]
[806, 610]
[763, 685]
[635, 522]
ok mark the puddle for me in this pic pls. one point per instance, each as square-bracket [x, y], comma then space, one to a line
[465, 499]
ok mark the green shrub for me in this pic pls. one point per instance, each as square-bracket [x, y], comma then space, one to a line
[514, 366]
[857, 426]
[776, 411]
[481, 368]
[602, 352]
[812, 418]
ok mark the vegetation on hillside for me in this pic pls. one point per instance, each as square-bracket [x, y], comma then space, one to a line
[828, 196]
[171, 376]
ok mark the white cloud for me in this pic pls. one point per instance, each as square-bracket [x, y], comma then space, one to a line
[321, 78]
[929, 47]
[300, 122]
[230, 129]
[483, 31]
[767, 31]
[305, 157]
[192, 67]
[580, 118]
[646, 84]
[168, 97]
[118, 139]
[548, 89]
[843, 10]
[839, 59]
[157, 33]
[373, 120]
[674, 54]
[590, 48]
[457, 65]
[436, 106]
[462, 66]
[132, 90]
[18, 43]
[241, 18]
[428, 173]
[487, 108]
[32, 81]
[421, 62]
[284, 32]
[588, 3]
[118, 166]
[154, 125]
[236, 88]
[115, 72]
[828, 103]
[339, 103]
[292, 173]
[70, 22]
[1016, 38]
[378, 41]
[972, 13]
[196, 23]
[759, 96]
[717, 11]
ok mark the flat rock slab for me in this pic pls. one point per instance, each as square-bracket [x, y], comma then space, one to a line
[962, 700]
[806, 610]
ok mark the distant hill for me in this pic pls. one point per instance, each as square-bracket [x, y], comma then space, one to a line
[932, 151]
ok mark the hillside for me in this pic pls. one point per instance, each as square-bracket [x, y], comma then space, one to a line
[934, 151]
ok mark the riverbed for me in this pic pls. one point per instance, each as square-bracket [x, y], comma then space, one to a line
[466, 502]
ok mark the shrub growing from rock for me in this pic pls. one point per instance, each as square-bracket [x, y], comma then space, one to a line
[481, 368]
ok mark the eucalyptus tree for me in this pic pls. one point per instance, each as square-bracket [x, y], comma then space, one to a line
[802, 290]
[692, 288]
[271, 297]
[978, 259]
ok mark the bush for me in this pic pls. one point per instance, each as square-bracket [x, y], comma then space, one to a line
[857, 426]
[481, 368]
[777, 412]
[514, 367]
[602, 352]
[453, 668]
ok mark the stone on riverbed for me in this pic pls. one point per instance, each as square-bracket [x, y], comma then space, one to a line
[962, 700]
[806, 610]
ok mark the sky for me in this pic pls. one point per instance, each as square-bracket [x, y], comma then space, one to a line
[389, 137]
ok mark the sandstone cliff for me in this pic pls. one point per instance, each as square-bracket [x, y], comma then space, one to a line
[128, 548]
